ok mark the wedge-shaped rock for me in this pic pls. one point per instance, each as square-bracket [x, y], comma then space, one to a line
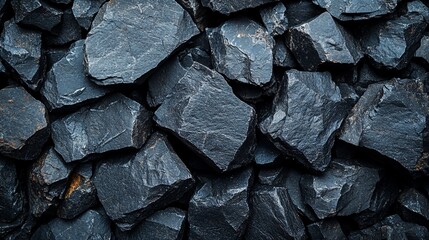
[274, 18]
[230, 6]
[130, 38]
[168, 224]
[85, 10]
[391, 118]
[242, 50]
[414, 207]
[132, 188]
[23, 124]
[36, 13]
[116, 122]
[225, 200]
[322, 41]
[67, 84]
[203, 112]
[326, 229]
[307, 111]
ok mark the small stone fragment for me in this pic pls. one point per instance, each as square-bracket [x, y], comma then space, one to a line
[283, 57]
[423, 50]
[132, 188]
[85, 10]
[114, 123]
[204, 113]
[326, 229]
[68, 31]
[414, 207]
[36, 13]
[23, 124]
[266, 153]
[230, 6]
[274, 18]
[242, 51]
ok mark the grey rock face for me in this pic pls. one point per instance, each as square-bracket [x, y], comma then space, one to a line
[36, 13]
[130, 38]
[197, 11]
[419, 8]
[204, 113]
[283, 57]
[114, 123]
[274, 18]
[230, 6]
[225, 200]
[242, 51]
[414, 207]
[85, 10]
[23, 124]
[132, 188]
[326, 229]
[322, 41]
[266, 153]
[307, 111]
[67, 32]
[423, 50]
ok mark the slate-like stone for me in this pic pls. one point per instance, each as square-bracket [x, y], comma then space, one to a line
[322, 41]
[132, 188]
[270, 176]
[282, 56]
[91, 225]
[114, 123]
[21, 49]
[36, 13]
[220, 208]
[418, 7]
[168, 224]
[414, 207]
[205, 114]
[53, 55]
[199, 13]
[266, 153]
[307, 111]
[66, 32]
[390, 118]
[274, 18]
[326, 229]
[85, 10]
[242, 51]
[67, 84]
[300, 11]
[61, 1]
[273, 216]
[23, 124]
[47, 182]
[423, 50]
[230, 6]
[130, 38]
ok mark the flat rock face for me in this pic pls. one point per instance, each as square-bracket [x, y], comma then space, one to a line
[242, 51]
[131, 188]
[322, 41]
[36, 13]
[225, 200]
[85, 10]
[230, 6]
[23, 124]
[414, 206]
[114, 123]
[130, 38]
[21, 49]
[391, 118]
[274, 18]
[307, 111]
[204, 113]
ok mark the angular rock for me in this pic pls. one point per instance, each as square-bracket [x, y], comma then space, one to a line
[67, 84]
[132, 188]
[21, 49]
[274, 18]
[300, 11]
[306, 135]
[68, 31]
[326, 229]
[266, 153]
[85, 10]
[270, 176]
[168, 224]
[23, 124]
[222, 133]
[242, 51]
[225, 200]
[283, 57]
[130, 38]
[53, 55]
[273, 216]
[61, 1]
[36, 13]
[414, 207]
[391, 118]
[423, 50]
[231, 6]
[199, 13]
[419, 8]
[114, 123]
[322, 41]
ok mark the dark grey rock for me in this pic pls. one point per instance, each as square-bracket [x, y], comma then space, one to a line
[414, 207]
[205, 114]
[306, 135]
[21, 49]
[36, 13]
[53, 55]
[130, 38]
[283, 57]
[23, 124]
[132, 188]
[273, 216]
[423, 50]
[61, 1]
[199, 13]
[274, 18]
[349, 94]
[84, 11]
[242, 51]
[390, 118]
[114, 123]
[326, 229]
[67, 84]
[231, 6]
[266, 153]
[68, 31]
[165, 224]
[322, 41]
[91, 225]
[419, 8]
[271, 176]
[220, 208]
[300, 11]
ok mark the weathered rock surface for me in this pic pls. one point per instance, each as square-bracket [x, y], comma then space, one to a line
[274, 18]
[326, 229]
[231, 6]
[414, 207]
[36, 13]
[282, 56]
[199, 13]
[84, 11]
[423, 50]
[266, 153]
[66, 32]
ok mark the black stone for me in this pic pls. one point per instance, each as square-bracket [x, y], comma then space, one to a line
[61, 1]
[283, 57]
[274, 18]
[326, 229]
[114, 123]
[66, 32]
[23, 124]
[266, 153]
[132, 188]
[199, 13]
[270, 176]
[84, 11]
[53, 55]
[300, 11]
[414, 207]
[231, 6]
[36, 13]
[423, 50]
[205, 114]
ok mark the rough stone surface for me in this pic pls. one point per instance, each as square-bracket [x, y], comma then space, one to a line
[282, 56]
[199, 13]
[414, 207]
[322, 41]
[300, 11]
[274, 18]
[266, 153]
[131, 188]
[231, 6]
[23, 124]
[306, 135]
[423, 50]
[130, 38]
[66, 32]
[36, 13]
[222, 133]
[114, 123]
[85, 10]
[242, 51]
[418, 7]
[326, 229]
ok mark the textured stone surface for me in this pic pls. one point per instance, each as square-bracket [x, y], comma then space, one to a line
[326, 229]
[23, 124]
[67, 32]
[114, 123]
[300, 11]
[130, 38]
[231, 6]
[282, 56]
[85, 10]
[423, 50]
[274, 18]
[131, 188]
[266, 153]
[204, 113]
[36, 13]
[199, 13]
[414, 207]
[418, 7]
